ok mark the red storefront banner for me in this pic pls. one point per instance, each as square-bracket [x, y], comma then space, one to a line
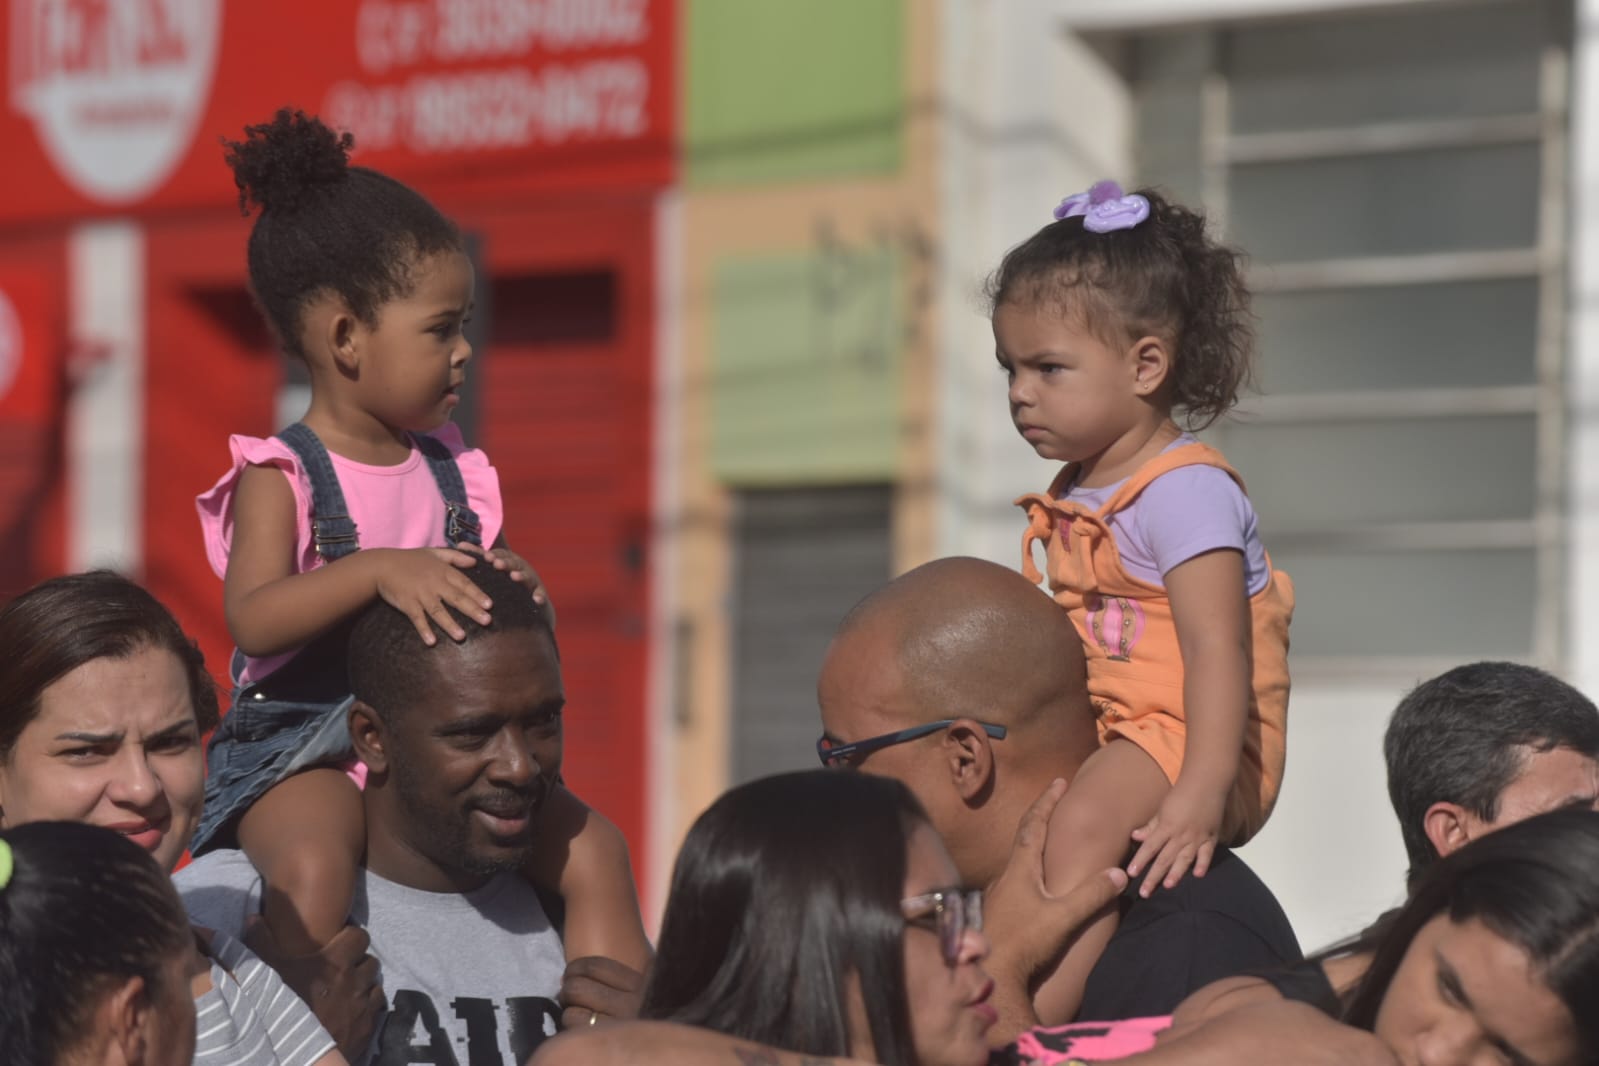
[117, 106]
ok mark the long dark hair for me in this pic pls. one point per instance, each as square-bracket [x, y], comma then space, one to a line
[1534, 883]
[63, 623]
[84, 908]
[784, 889]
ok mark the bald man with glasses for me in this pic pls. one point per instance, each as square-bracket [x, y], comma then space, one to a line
[966, 683]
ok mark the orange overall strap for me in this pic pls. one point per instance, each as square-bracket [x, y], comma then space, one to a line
[1194, 454]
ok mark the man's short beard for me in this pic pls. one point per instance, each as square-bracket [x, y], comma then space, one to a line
[442, 838]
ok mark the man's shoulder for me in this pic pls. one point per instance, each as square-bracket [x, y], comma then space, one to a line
[1229, 890]
[1178, 940]
[220, 890]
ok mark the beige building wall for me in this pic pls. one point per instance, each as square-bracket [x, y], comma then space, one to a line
[714, 224]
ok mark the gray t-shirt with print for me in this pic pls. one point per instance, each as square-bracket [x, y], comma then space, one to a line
[470, 979]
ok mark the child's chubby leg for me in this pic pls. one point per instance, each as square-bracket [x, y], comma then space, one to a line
[1116, 790]
[306, 836]
[581, 855]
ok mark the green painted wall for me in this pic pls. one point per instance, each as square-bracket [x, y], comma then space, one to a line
[805, 368]
[781, 90]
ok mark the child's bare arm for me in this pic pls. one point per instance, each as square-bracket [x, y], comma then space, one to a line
[272, 609]
[583, 856]
[1210, 607]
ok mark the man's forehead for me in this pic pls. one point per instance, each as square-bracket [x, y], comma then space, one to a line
[1558, 777]
[507, 661]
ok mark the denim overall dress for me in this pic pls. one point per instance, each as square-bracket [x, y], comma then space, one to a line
[294, 718]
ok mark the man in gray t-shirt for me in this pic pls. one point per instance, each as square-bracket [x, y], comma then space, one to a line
[462, 741]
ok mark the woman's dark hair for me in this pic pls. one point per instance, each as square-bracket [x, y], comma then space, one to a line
[1534, 883]
[63, 623]
[784, 889]
[325, 226]
[84, 910]
[1163, 277]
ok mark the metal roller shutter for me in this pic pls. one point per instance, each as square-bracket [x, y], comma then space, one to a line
[804, 557]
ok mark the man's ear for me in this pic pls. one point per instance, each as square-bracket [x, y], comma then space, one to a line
[126, 1013]
[1151, 358]
[369, 736]
[969, 754]
[1448, 826]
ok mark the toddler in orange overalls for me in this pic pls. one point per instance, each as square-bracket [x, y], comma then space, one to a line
[1109, 322]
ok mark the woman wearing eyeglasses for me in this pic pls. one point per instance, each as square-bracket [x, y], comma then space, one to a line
[819, 912]
[816, 913]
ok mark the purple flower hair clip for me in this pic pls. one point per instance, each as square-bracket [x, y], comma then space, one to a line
[1104, 208]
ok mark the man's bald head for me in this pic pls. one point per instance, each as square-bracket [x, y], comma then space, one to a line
[972, 638]
[974, 643]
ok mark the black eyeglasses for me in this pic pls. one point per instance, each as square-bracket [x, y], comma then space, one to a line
[833, 754]
[951, 912]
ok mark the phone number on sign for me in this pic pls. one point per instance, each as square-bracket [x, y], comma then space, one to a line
[513, 107]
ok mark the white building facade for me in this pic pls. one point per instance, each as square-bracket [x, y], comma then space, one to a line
[1408, 181]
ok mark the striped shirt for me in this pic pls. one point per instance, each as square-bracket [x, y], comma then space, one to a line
[249, 1017]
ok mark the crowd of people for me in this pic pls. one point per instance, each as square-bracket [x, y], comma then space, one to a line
[813, 916]
[1019, 847]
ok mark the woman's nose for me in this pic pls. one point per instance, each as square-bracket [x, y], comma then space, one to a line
[1447, 1042]
[974, 946]
[134, 781]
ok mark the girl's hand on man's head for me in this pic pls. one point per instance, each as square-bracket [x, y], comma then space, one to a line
[424, 583]
[520, 569]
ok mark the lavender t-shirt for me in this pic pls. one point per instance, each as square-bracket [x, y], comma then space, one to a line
[1181, 514]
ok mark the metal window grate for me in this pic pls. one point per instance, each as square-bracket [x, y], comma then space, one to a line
[1196, 144]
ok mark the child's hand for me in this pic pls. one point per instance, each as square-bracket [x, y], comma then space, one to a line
[521, 571]
[1182, 833]
[424, 582]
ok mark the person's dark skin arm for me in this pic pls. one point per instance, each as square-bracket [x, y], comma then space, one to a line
[600, 988]
[339, 983]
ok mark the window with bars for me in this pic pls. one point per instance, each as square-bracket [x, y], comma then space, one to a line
[1398, 178]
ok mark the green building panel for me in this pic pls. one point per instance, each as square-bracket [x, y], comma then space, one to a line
[805, 368]
[784, 90]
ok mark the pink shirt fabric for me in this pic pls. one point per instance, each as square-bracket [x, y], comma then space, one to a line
[1089, 1041]
[1183, 513]
[392, 506]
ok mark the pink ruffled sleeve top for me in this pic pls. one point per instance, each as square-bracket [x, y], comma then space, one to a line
[392, 506]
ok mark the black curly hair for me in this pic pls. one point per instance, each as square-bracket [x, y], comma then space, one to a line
[325, 226]
[1164, 277]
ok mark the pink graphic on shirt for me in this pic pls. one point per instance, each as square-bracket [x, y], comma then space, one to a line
[1115, 624]
[1089, 1041]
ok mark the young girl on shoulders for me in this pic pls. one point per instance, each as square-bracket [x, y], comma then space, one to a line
[373, 494]
[1121, 327]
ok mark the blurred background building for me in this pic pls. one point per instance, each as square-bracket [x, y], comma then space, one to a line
[732, 358]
